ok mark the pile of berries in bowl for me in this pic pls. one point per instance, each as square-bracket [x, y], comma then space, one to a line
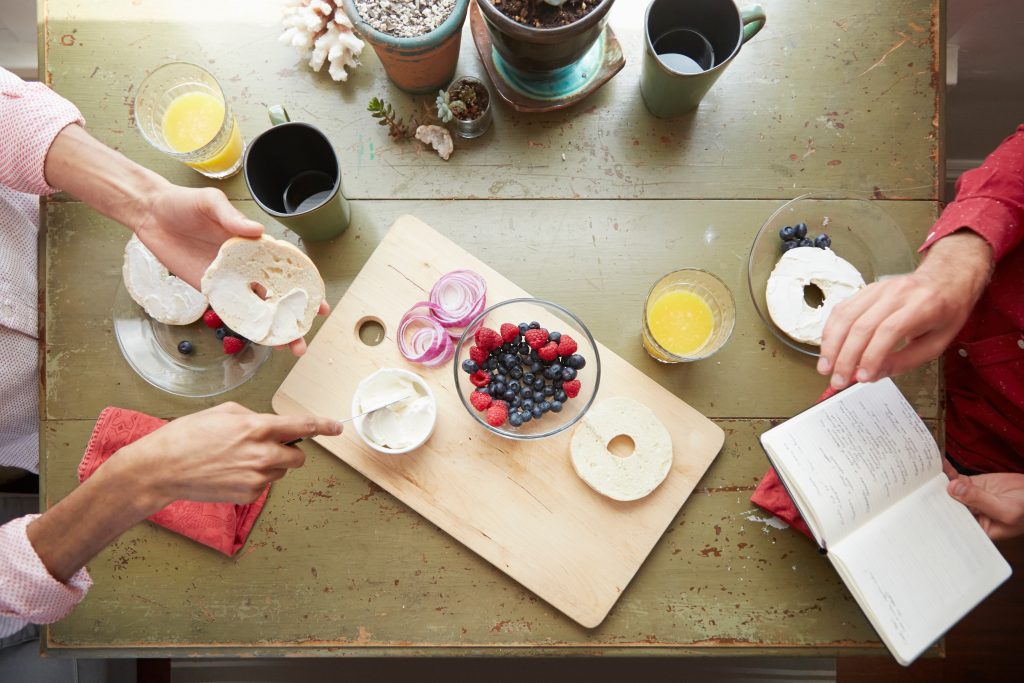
[527, 369]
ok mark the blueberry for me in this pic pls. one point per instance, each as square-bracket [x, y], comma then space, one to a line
[792, 244]
[515, 402]
[485, 389]
[549, 390]
[568, 374]
[509, 361]
[221, 332]
[538, 384]
[508, 395]
[528, 379]
[514, 386]
[527, 403]
[526, 392]
[556, 406]
[185, 347]
[469, 365]
[787, 233]
[515, 419]
[526, 416]
[490, 364]
[823, 241]
[556, 368]
[554, 336]
[515, 373]
[534, 325]
[534, 356]
[536, 367]
[548, 374]
[800, 230]
[575, 361]
[560, 396]
[498, 387]
[536, 412]
[804, 242]
[557, 384]
[523, 327]
[544, 406]
[524, 349]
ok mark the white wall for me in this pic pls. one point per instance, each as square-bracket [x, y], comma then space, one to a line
[18, 37]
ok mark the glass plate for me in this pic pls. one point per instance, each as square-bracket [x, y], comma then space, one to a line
[151, 348]
[861, 231]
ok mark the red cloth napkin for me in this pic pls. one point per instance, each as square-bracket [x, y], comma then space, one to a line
[222, 526]
[771, 495]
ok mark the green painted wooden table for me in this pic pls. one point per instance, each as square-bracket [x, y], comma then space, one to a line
[600, 200]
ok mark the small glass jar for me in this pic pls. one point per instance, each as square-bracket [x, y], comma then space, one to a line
[472, 128]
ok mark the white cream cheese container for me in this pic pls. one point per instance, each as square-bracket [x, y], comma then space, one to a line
[401, 427]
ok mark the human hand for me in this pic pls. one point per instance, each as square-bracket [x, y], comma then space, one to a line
[185, 227]
[899, 323]
[226, 453]
[996, 500]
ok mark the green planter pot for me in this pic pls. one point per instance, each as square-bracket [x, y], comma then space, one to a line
[421, 64]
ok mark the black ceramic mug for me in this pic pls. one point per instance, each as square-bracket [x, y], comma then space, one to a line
[293, 174]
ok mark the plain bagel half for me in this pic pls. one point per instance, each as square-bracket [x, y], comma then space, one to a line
[291, 284]
[165, 298]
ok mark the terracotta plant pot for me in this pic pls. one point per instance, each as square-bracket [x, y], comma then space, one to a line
[542, 49]
[421, 64]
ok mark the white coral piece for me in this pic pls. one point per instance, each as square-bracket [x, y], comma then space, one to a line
[437, 137]
[321, 31]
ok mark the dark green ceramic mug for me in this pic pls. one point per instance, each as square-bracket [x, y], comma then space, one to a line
[688, 44]
[293, 174]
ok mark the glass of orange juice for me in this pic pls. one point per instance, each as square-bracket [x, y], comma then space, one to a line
[689, 314]
[180, 109]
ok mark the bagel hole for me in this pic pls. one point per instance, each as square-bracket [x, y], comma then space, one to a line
[621, 446]
[370, 331]
[813, 296]
[259, 290]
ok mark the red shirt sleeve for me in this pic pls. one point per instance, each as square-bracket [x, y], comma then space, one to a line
[989, 200]
[31, 115]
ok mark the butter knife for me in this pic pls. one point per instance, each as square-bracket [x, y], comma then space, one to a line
[363, 414]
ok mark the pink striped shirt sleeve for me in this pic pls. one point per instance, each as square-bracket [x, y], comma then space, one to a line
[31, 115]
[27, 591]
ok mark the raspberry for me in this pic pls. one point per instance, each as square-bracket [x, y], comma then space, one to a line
[571, 389]
[566, 345]
[548, 352]
[480, 378]
[480, 400]
[211, 319]
[477, 355]
[487, 339]
[233, 345]
[536, 338]
[497, 414]
[509, 331]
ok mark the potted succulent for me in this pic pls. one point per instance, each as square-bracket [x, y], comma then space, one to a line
[543, 35]
[467, 105]
[417, 42]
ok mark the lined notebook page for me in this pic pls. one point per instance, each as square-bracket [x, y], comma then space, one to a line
[919, 567]
[850, 457]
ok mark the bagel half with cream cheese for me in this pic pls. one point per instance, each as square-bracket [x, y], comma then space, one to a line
[291, 286]
[836, 277]
[164, 297]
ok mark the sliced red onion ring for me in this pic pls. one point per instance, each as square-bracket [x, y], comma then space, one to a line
[456, 298]
[422, 339]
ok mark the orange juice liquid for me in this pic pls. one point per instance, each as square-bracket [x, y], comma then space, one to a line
[681, 322]
[193, 120]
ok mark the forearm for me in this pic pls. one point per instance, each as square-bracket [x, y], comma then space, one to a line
[962, 261]
[74, 530]
[101, 177]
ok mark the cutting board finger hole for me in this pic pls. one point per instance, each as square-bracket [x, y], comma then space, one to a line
[370, 330]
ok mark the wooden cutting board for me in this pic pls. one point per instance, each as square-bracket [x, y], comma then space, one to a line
[519, 505]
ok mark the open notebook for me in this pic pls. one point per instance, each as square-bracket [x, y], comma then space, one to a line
[866, 475]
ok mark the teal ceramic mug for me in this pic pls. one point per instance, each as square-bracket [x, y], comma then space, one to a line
[688, 44]
[292, 172]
